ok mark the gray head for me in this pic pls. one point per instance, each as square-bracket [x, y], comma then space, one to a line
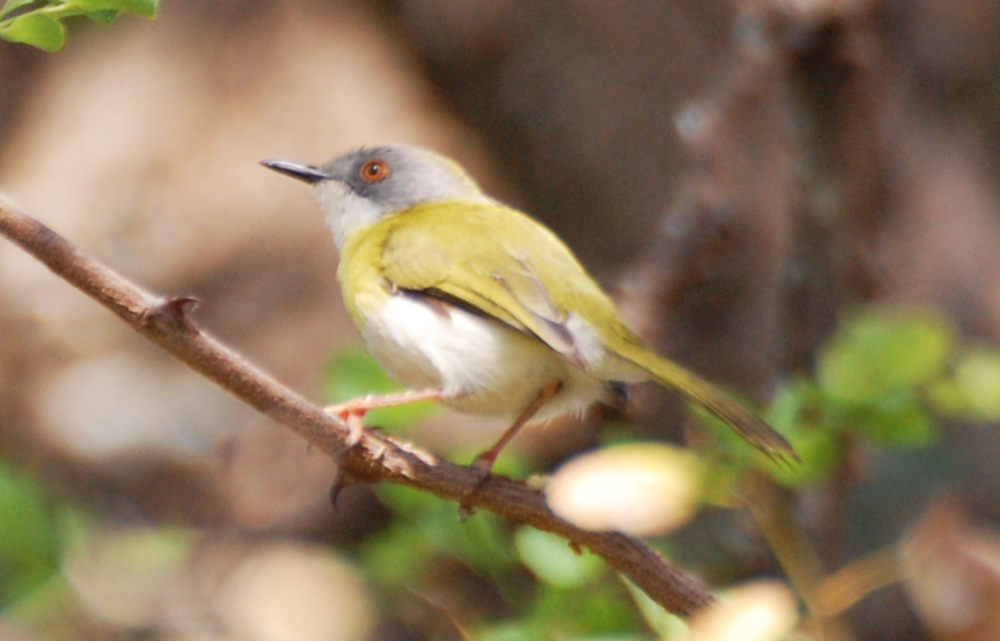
[366, 185]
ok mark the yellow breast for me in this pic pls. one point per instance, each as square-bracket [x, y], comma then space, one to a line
[362, 284]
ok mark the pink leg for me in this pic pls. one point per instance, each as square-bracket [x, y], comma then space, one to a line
[484, 462]
[354, 410]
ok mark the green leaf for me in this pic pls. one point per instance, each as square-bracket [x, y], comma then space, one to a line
[974, 389]
[551, 559]
[665, 624]
[407, 502]
[978, 377]
[396, 556]
[897, 422]
[104, 16]
[796, 412]
[11, 5]
[29, 546]
[819, 452]
[37, 30]
[794, 402]
[428, 528]
[34, 611]
[599, 613]
[880, 352]
[145, 8]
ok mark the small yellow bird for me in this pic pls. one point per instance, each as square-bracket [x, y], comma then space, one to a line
[474, 304]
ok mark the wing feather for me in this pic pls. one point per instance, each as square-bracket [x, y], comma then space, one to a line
[457, 251]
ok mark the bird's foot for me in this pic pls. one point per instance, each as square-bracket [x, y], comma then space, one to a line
[481, 465]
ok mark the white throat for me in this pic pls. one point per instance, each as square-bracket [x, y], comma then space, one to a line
[345, 211]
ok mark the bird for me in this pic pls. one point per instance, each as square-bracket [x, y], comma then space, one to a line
[472, 303]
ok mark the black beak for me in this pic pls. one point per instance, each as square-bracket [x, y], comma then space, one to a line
[306, 173]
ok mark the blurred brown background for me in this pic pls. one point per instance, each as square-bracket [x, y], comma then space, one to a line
[738, 173]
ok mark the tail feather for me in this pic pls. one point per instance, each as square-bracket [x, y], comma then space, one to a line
[699, 391]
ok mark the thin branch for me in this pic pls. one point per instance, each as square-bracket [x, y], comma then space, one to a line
[376, 457]
[795, 553]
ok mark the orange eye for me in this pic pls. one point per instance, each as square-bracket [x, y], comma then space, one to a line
[374, 171]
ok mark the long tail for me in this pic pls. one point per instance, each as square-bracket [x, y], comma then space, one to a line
[697, 390]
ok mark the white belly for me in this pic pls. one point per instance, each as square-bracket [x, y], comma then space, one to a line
[483, 366]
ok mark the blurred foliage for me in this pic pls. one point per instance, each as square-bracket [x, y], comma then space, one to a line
[29, 547]
[41, 24]
[36, 531]
[575, 594]
[886, 378]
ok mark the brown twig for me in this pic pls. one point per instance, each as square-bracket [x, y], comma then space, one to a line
[375, 458]
[795, 553]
